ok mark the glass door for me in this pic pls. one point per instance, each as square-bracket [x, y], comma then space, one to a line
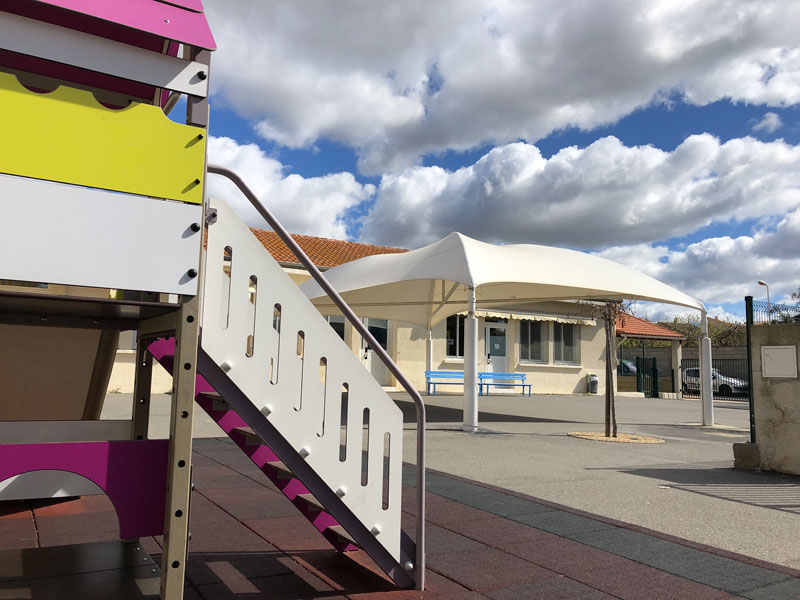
[495, 336]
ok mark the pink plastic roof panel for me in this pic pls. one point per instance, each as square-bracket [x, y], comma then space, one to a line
[181, 23]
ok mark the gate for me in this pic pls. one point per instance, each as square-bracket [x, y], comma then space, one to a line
[647, 377]
[730, 378]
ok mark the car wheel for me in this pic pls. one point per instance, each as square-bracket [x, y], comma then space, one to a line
[725, 390]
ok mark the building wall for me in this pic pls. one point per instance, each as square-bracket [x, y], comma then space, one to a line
[545, 377]
[776, 403]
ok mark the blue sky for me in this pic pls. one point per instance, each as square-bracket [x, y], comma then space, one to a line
[663, 136]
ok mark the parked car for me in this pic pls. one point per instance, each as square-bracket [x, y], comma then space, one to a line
[627, 367]
[724, 385]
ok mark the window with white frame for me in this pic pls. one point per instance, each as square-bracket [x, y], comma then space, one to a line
[455, 336]
[564, 342]
[530, 341]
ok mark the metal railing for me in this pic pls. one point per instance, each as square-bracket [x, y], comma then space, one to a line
[358, 325]
[767, 313]
[730, 378]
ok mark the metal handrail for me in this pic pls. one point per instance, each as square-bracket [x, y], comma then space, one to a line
[419, 568]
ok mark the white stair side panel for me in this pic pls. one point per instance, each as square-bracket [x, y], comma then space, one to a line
[51, 42]
[65, 234]
[295, 401]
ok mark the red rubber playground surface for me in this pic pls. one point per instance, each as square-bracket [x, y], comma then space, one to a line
[248, 542]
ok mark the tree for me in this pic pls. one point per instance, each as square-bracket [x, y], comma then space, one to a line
[608, 311]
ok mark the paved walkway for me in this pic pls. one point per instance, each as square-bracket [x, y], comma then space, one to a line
[483, 542]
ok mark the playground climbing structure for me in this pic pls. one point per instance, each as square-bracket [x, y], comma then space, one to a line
[103, 228]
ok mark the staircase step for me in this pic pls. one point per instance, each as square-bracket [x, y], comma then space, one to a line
[282, 470]
[218, 402]
[311, 501]
[251, 438]
[342, 534]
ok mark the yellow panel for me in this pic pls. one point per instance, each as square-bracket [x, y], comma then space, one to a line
[67, 136]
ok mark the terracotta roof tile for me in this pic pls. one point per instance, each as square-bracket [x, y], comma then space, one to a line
[323, 252]
[635, 327]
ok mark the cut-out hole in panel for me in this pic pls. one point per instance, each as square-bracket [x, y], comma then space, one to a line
[387, 442]
[276, 318]
[227, 263]
[343, 423]
[323, 380]
[301, 348]
[252, 292]
[274, 362]
[365, 449]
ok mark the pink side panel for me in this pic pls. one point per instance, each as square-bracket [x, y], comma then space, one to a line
[195, 5]
[132, 473]
[164, 20]
[56, 15]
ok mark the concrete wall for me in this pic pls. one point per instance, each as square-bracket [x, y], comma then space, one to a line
[777, 403]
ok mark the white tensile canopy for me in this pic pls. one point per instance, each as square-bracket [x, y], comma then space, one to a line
[429, 284]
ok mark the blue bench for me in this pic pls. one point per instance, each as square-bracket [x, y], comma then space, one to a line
[502, 379]
[450, 377]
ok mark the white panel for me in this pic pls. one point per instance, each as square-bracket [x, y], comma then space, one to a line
[35, 38]
[56, 233]
[306, 414]
[47, 484]
[779, 361]
[36, 432]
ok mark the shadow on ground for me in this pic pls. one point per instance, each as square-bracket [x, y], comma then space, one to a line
[240, 575]
[442, 414]
[764, 490]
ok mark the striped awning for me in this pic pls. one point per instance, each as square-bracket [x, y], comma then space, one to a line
[527, 316]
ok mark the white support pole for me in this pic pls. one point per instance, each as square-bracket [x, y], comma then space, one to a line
[706, 389]
[677, 357]
[470, 364]
[429, 354]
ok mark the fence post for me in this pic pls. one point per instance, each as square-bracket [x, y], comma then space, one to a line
[748, 311]
[655, 378]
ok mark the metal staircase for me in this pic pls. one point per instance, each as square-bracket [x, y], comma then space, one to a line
[288, 391]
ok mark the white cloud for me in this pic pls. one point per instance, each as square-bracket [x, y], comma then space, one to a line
[604, 195]
[314, 205]
[398, 80]
[723, 270]
[770, 123]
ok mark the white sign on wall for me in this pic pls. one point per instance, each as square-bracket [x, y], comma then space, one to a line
[778, 361]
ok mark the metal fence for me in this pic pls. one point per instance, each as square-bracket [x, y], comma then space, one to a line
[730, 378]
[765, 313]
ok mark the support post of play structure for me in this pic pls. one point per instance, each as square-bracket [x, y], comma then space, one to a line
[470, 364]
[706, 389]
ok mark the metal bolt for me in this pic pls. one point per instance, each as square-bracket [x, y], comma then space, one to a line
[197, 182]
[195, 227]
[408, 565]
[376, 529]
[192, 273]
[304, 452]
[201, 75]
[226, 366]
[199, 136]
[341, 492]
[267, 410]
